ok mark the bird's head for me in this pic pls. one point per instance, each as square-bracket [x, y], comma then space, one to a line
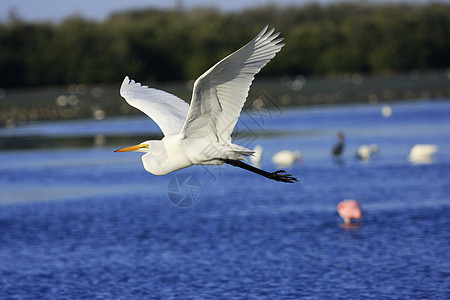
[143, 147]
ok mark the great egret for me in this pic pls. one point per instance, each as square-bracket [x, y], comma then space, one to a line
[200, 134]
[365, 152]
[286, 158]
[349, 210]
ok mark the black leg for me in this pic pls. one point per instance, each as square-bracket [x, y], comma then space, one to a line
[279, 175]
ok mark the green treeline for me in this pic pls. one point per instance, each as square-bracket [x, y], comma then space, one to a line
[182, 44]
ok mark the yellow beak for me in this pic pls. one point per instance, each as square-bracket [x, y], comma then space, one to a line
[132, 148]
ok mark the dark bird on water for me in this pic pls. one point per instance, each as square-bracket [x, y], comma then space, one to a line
[338, 149]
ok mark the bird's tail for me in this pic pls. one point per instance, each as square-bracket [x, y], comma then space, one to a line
[238, 152]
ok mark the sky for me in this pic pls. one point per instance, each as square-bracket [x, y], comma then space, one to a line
[58, 10]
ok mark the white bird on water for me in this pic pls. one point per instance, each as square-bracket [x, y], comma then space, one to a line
[422, 153]
[286, 158]
[200, 134]
[255, 159]
[366, 152]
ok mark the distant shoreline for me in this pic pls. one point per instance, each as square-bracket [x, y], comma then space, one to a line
[21, 106]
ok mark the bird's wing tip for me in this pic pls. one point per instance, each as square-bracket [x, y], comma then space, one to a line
[129, 82]
[128, 85]
[262, 32]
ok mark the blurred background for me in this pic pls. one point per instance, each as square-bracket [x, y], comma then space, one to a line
[67, 61]
[357, 101]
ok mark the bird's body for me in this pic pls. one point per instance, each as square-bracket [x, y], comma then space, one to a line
[176, 152]
[200, 133]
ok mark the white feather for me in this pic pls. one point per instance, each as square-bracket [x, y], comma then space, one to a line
[220, 93]
[167, 110]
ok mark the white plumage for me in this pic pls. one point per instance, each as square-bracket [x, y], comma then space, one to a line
[422, 153]
[200, 133]
[366, 152]
[167, 110]
[286, 158]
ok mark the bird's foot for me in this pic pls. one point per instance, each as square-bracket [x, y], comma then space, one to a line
[282, 176]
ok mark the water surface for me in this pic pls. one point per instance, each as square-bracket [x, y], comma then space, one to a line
[85, 222]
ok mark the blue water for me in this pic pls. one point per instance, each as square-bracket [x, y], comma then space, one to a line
[90, 223]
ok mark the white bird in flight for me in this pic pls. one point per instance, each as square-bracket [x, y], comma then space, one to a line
[200, 134]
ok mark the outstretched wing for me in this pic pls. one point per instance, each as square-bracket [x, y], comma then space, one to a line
[167, 110]
[219, 94]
